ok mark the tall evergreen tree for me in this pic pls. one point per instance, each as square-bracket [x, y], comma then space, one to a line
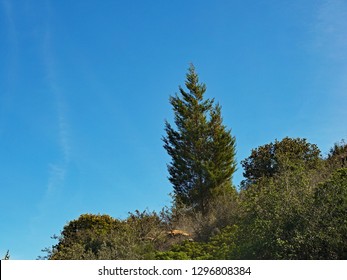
[201, 148]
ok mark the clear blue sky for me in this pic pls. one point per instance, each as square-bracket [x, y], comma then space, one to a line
[84, 88]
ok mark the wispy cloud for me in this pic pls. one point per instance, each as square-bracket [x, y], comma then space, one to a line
[11, 26]
[330, 44]
[11, 42]
[12, 39]
[57, 171]
[331, 29]
[56, 177]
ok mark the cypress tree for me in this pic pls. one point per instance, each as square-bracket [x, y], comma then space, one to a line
[202, 149]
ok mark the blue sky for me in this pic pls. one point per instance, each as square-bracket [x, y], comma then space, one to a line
[84, 89]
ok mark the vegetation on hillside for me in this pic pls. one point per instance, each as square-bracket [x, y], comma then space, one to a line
[292, 203]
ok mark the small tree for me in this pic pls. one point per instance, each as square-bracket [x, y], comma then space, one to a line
[287, 155]
[7, 256]
[337, 157]
[201, 148]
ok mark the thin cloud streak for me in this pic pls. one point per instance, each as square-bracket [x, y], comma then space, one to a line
[330, 41]
[12, 63]
[56, 177]
[11, 26]
[331, 29]
[57, 172]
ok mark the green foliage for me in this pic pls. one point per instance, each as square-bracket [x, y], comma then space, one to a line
[275, 218]
[219, 247]
[7, 256]
[330, 214]
[274, 158]
[292, 203]
[337, 157]
[223, 245]
[103, 237]
[202, 149]
[277, 200]
[291, 213]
